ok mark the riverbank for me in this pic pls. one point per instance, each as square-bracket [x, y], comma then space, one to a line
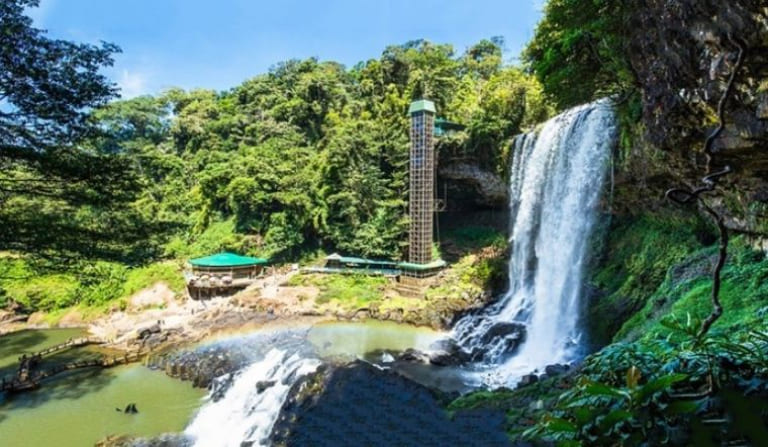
[157, 317]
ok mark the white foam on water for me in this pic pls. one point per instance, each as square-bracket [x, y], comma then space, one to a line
[244, 413]
[556, 179]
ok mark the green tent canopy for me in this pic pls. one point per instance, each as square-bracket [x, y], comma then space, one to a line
[226, 259]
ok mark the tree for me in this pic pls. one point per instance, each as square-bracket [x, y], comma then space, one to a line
[580, 50]
[57, 194]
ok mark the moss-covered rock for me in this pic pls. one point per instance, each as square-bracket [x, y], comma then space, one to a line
[635, 256]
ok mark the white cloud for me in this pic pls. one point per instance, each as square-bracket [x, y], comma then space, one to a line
[132, 84]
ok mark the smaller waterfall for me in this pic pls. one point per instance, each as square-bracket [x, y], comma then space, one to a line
[248, 411]
[556, 178]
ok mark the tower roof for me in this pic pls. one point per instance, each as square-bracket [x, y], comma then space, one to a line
[422, 105]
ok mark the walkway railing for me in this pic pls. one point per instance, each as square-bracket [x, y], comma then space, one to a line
[28, 376]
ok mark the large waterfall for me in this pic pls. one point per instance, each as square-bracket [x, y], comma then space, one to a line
[556, 178]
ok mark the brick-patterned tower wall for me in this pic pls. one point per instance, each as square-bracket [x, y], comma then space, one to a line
[422, 182]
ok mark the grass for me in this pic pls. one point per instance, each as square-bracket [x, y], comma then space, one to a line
[743, 294]
[140, 278]
[459, 242]
[347, 291]
[478, 270]
[636, 257]
[93, 288]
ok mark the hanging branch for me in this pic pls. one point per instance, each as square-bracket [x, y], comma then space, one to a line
[682, 196]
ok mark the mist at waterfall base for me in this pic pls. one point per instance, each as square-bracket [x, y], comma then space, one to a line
[556, 180]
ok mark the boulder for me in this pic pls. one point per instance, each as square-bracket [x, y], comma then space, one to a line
[263, 385]
[556, 369]
[528, 379]
[506, 336]
[413, 356]
[447, 352]
[148, 330]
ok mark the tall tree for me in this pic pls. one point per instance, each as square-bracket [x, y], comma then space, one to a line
[57, 195]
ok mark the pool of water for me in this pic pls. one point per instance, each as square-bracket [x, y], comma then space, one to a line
[341, 339]
[15, 344]
[82, 408]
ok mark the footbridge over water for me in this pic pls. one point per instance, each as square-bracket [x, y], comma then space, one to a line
[29, 375]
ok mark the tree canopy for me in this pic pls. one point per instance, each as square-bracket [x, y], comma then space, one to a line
[312, 154]
[58, 194]
[308, 155]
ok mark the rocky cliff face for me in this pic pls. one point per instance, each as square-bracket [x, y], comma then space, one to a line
[472, 186]
[683, 53]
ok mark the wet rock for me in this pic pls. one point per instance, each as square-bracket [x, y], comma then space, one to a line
[502, 338]
[528, 379]
[413, 356]
[504, 330]
[387, 409]
[448, 353]
[263, 385]
[166, 440]
[220, 385]
[201, 366]
[556, 369]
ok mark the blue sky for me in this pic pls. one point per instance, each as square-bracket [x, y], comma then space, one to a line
[220, 43]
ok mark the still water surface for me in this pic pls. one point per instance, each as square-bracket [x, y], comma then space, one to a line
[81, 408]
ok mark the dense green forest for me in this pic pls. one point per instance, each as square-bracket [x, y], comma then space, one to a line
[101, 197]
[309, 156]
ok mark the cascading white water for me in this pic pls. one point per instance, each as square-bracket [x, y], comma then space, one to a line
[556, 178]
[246, 412]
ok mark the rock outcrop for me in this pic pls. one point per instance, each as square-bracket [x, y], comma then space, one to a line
[489, 189]
[362, 405]
[683, 56]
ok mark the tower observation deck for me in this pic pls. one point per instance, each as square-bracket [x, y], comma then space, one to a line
[422, 190]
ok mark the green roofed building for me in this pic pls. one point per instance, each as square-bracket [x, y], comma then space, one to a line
[226, 260]
[222, 271]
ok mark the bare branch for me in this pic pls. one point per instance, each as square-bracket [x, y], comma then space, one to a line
[683, 196]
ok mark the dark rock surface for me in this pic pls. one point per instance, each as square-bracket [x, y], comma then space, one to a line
[359, 404]
[447, 352]
[413, 356]
[556, 369]
[489, 189]
[511, 335]
[528, 379]
[683, 57]
[201, 366]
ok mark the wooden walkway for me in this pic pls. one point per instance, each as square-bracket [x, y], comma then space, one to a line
[28, 376]
[69, 344]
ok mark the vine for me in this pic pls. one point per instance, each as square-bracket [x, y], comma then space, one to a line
[683, 196]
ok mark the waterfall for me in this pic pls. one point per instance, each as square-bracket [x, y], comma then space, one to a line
[556, 179]
[249, 408]
[555, 183]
